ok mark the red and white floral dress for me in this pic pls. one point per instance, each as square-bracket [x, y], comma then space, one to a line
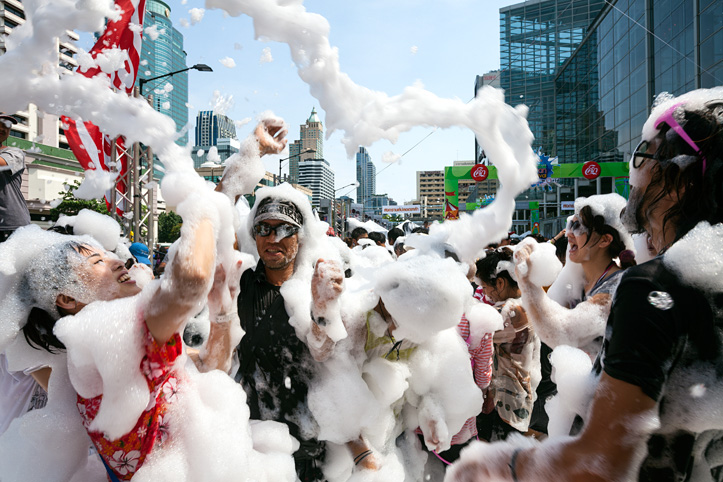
[125, 455]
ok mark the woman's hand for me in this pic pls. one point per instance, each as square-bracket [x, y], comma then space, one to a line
[523, 264]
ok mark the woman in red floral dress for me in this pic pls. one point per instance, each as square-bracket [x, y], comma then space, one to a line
[72, 273]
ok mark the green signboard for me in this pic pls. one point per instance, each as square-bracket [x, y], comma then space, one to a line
[453, 174]
[535, 217]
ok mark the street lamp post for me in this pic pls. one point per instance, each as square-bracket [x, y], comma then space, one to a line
[199, 67]
[139, 153]
[306, 151]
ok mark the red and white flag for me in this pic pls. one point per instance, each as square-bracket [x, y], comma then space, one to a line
[91, 147]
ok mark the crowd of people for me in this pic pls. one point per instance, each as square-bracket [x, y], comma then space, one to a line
[268, 350]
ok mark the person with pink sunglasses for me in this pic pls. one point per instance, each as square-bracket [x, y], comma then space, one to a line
[655, 414]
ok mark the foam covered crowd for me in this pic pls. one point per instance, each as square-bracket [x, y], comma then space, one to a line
[270, 350]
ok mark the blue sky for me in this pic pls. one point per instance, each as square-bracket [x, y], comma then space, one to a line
[454, 39]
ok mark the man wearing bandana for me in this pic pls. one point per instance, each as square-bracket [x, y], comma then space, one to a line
[276, 366]
[13, 208]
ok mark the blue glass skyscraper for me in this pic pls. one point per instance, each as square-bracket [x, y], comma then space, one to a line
[635, 50]
[366, 176]
[536, 37]
[163, 55]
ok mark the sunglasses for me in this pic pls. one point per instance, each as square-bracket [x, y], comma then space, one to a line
[639, 154]
[668, 118]
[281, 231]
[130, 262]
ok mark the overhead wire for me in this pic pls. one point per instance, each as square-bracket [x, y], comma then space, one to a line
[539, 35]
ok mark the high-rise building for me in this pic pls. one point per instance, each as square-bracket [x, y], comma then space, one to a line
[316, 174]
[211, 126]
[536, 38]
[215, 133]
[366, 176]
[217, 154]
[430, 193]
[492, 79]
[34, 124]
[633, 52]
[162, 55]
[375, 204]
[309, 146]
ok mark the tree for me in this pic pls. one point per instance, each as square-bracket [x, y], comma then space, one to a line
[394, 218]
[71, 206]
[169, 227]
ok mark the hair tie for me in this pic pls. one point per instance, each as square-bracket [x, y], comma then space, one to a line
[626, 256]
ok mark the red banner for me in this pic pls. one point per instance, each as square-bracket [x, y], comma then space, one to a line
[90, 146]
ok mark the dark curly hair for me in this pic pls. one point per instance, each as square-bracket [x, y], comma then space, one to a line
[699, 193]
[596, 224]
[487, 266]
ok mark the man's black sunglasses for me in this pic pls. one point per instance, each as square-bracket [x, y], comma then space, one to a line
[281, 231]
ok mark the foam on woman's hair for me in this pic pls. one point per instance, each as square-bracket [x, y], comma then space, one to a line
[609, 207]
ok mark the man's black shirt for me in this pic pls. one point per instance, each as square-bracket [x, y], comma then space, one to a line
[275, 365]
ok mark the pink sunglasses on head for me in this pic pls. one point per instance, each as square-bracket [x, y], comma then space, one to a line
[668, 118]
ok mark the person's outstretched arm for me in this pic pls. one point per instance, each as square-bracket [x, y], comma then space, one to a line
[186, 281]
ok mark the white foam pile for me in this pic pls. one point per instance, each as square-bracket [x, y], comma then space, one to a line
[695, 392]
[356, 394]
[425, 295]
[103, 228]
[572, 372]
[370, 225]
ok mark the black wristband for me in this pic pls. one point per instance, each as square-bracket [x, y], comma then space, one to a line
[362, 456]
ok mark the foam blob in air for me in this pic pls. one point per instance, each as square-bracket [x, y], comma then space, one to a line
[95, 184]
[543, 265]
[100, 226]
[424, 294]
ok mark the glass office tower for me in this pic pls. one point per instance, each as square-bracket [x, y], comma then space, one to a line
[536, 37]
[163, 55]
[635, 50]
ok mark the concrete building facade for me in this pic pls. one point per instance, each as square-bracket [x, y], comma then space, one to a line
[310, 145]
[316, 174]
[430, 193]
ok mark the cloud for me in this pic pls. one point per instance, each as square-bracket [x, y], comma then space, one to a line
[390, 157]
[228, 62]
[266, 56]
[414, 49]
[196, 15]
[183, 22]
[237, 46]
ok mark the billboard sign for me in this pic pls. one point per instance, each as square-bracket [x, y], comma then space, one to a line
[409, 209]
